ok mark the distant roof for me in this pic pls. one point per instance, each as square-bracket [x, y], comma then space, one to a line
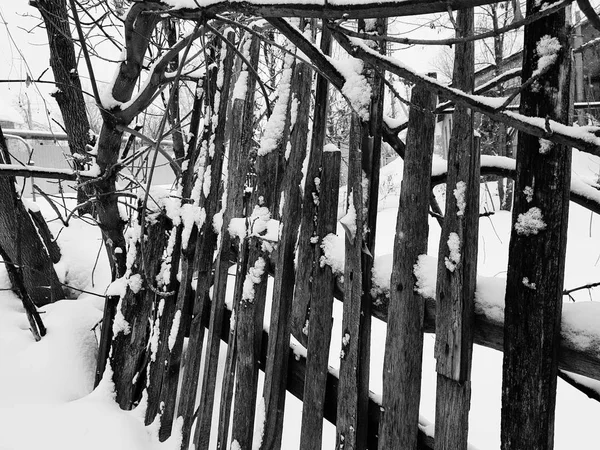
[9, 113]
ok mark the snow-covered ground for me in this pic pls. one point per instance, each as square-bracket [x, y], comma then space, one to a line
[45, 388]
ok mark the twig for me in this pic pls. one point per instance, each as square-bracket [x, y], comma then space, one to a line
[86, 54]
[580, 288]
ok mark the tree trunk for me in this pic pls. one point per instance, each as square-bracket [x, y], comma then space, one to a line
[68, 94]
[537, 249]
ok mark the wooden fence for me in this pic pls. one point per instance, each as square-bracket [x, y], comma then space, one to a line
[250, 206]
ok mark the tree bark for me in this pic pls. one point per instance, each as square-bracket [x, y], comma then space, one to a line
[68, 94]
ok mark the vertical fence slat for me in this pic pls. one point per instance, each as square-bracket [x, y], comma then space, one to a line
[186, 268]
[457, 262]
[404, 342]
[300, 307]
[172, 353]
[206, 240]
[231, 208]
[353, 394]
[536, 260]
[319, 325]
[283, 284]
[241, 141]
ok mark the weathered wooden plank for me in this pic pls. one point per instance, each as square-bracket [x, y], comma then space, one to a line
[404, 342]
[249, 320]
[283, 285]
[183, 301]
[128, 350]
[232, 208]
[353, 395]
[306, 248]
[537, 248]
[457, 261]
[319, 325]
[240, 145]
[206, 240]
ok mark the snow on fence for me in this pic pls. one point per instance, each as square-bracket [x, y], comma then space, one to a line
[167, 315]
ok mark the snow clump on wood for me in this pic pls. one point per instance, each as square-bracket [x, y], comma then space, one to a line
[276, 123]
[528, 284]
[528, 191]
[252, 278]
[453, 259]
[545, 146]
[547, 49]
[356, 88]
[530, 222]
[333, 254]
[459, 194]
[349, 220]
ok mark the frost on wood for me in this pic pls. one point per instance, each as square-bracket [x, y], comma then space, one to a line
[333, 254]
[547, 49]
[252, 278]
[530, 222]
[453, 259]
[356, 88]
[276, 123]
[459, 194]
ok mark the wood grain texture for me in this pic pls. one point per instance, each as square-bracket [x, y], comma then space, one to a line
[320, 323]
[457, 272]
[404, 342]
[283, 284]
[536, 261]
[306, 248]
[353, 394]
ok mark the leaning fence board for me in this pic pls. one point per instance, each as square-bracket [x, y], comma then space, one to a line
[404, 342]
[233, 192]
[128, 349]
[353, 395]
[457, 261]
[283, 285]
[321, 301]
[536, 259]
[206, 240]
[300, 307]
[268, 168]
[240, 144]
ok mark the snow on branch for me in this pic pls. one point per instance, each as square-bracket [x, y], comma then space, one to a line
[326, 9]
[586, 139]
[16, 170]
[582, 193]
